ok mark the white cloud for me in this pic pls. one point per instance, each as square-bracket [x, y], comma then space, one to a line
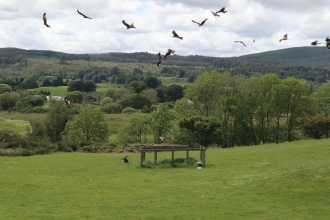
[266, 21]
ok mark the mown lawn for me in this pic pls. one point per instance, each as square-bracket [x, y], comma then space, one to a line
[286, 181]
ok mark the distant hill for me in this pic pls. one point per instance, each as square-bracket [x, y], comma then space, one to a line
[296, 56]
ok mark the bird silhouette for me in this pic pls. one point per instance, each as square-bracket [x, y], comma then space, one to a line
[285, 37]
[176, 35]
[45, 20]
[240, 42]
[327, 42]
[83, 14]
[200, 24]
[159, 59]
[215, 14]
[254, 40]
[222, 10]
[315, 43]
[125, 160]
[169, 51]
[128, 25]
[67, 102]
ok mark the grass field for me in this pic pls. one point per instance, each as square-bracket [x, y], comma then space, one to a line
[286, 181]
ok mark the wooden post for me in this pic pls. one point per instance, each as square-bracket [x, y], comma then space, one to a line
[172, 155]
[203, 157]
[141, 158]
[155, 157]
[187, 154]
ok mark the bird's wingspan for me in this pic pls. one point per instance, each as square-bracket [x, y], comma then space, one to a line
[124, 22]
[204, 21]
[195, 22]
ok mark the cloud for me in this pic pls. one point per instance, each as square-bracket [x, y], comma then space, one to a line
[266, 21]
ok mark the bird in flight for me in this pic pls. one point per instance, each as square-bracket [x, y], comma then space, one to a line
[215, 14]
[169, 51]
[176, 35]
[200, 24]
[327, 42]
[254, 40]
[45, 20]
[67, 102]
[125, 160]
[315, 43]
[83, 14]
[285, 37]
[159, 59]
[240, 42]
[128, 25]
[222, 10]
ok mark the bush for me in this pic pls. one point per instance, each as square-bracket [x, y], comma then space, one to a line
[26, 148]
[129, 110]
[111, 108]
[106, 100]
[7, 136]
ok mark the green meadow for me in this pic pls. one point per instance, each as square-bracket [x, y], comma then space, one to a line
[285, 181]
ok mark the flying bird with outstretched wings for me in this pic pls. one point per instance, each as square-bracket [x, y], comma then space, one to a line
[315, 43]
[176, 35]
[128, 25]
[199, 24]
[125, 160]
[45, 20]
[159, 59]
[215, 14]
[237, 41]
[169, 51]
[83, 14]
[285, 37]
[327, 40]
[67, 102]
[222, 10]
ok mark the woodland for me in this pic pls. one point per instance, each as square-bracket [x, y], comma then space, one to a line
[223, 102]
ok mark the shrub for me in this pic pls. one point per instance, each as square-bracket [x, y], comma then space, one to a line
[106, 100]
[111, 108]
[129, 110]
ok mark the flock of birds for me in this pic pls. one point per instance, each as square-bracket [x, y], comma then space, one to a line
[175, 35]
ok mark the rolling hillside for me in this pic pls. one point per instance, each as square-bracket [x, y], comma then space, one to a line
[297, 56]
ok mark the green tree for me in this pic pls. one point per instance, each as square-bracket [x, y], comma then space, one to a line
[88, 125]
[136, 101]
[138, 86]
[174, 92]
[8, 100]
[137, 126]
[75, 96]
[4, 88]
[201, 130]
[322, 98]
[57, 117]
[161, 122]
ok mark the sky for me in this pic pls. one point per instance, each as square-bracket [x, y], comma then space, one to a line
[265, 21]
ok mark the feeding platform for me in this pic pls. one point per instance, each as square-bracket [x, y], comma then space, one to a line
[171, 147]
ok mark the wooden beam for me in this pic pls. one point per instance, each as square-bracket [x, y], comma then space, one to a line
[172, 155]
[187, 153]
[155, 153]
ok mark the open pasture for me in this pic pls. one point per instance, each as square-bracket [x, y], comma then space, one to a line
[285, 181]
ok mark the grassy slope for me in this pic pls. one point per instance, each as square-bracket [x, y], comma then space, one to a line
[296, 56]
[286, 181]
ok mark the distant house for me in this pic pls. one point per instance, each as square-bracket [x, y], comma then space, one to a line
[57, 98]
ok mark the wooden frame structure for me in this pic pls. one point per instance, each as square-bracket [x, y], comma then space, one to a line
[171, 147]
